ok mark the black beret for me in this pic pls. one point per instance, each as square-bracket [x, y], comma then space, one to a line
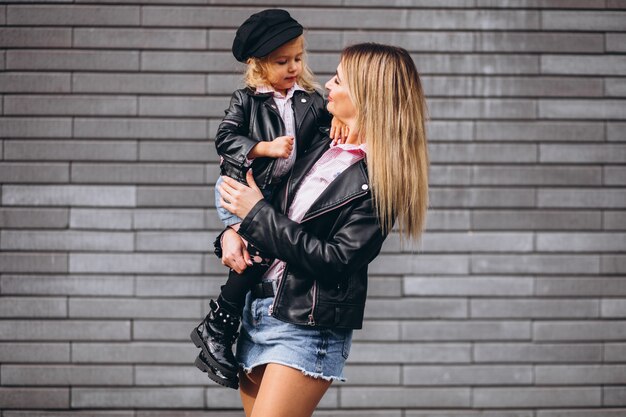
[263, 33]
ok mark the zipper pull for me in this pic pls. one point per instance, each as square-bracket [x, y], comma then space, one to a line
[270, 309]
[311, 320]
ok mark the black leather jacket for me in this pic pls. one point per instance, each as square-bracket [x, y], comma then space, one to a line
[253, 117]
[324, 283]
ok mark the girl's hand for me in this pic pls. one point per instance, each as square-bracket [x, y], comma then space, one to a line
[234, 252]
[338, 131]
[281, 147]
[238, 198]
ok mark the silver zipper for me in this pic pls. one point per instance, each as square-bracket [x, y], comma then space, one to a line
[311, 318]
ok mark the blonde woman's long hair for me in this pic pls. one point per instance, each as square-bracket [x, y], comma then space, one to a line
[385, 87]
[257, 70]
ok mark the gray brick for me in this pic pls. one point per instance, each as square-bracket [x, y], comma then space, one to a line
[372, 375]
[69, 413]
[156, 219]
[423, 264]
[576, 109]
[133, 308]
[476, 153]
[581, 242]
[414, 41]
[360, 413]
[614, 220]
[70, 105]
[614, 308]
[200, 196]
[447, 220]
[138, 83]
[537, 397]
[384, 286]
[40, 82]
[539, 86]
[580, 374]
[72, 60]
[169, 375]
[442, 242]
[136, 263]
[615, 42]
[614, 352]
[578, 286]
[35, 37]
[466, 330]
[536, 219]
[133, 397]
[35, 127]
[378, 330]
[535, 264]
[474, 64]
[215, 397]
[579, 330]
[468, 286]
[67, 240]
[33, 262]
[65, 330]
[223, 84]
[583, 153]
[67, 285]
[52, 398]
[468, 375]
[483, 197]
[583, 20]
[592, 65]
[138, 173]
[101, 219]
[583, 198]
[404, 353]
[51, 375]
[416, 308]
[610, 264]
[448, 86]
[22, 307]
[448, 175]
[537, 352]
[183, 106]
[70, 150]
[33, 173]
[570, 131]
[134, 352]
[535, 175]
[27, 218]
[538, 42]
[34, 352]
[178, 330]
[183, 413]
[179, 151]
[161, 128]
[73, 15]
[524, 308]
[189, 61]
[364, 397]
[483, 108]
[614, 87]
[471, 413]
[615, 131]
[590, 412]
[194, 16]
[174, 241]
[62, 195]
[140, 38]
[615, 175]
[451, 130]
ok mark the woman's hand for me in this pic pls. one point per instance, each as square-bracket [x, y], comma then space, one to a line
[338, 131]
[234, 252]
[238, 198]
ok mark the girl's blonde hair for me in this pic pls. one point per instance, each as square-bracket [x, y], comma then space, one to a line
[257, 70]
[385, 87]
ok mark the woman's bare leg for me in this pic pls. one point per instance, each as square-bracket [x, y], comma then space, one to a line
[249, 385]
[286, 392]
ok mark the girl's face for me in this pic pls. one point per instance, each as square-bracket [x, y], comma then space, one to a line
[339, 101]
[285, 65]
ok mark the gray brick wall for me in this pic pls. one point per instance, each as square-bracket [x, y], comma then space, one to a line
[512, 305]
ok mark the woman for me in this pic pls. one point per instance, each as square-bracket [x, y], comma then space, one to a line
[327, 223]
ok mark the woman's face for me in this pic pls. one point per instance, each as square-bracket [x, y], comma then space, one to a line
[339, 102]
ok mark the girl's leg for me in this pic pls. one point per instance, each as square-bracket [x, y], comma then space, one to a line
[286, 392]
[249, 387]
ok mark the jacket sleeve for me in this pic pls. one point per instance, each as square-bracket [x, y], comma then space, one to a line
[352, 247]
[232, 141]
[323, 116]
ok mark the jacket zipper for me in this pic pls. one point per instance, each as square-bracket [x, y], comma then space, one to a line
[311, 317]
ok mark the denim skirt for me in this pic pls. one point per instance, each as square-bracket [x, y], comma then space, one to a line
[318, 353]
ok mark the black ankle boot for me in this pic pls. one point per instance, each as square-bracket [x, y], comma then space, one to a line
[215, 336]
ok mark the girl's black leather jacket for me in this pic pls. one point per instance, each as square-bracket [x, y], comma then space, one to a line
[253, 117]
[324, 283]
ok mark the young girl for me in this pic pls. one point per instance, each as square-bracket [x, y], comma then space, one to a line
[267, 126]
